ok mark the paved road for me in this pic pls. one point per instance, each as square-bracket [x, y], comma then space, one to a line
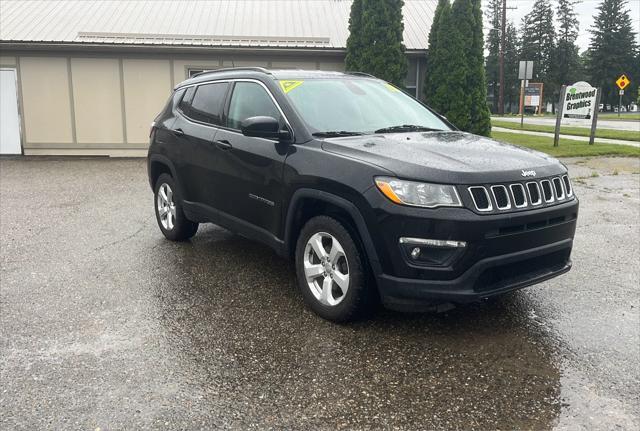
[105, 324]
[602, 124]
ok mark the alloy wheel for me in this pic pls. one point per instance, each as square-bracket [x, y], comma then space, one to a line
[166, 207]
[326, 268]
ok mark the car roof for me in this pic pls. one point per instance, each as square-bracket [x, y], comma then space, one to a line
[260, 72]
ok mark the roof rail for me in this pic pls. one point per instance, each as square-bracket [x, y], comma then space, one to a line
[227, 69]
[360, 74]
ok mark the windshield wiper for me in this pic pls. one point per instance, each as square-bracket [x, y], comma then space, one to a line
[407, 128]
[335, 134]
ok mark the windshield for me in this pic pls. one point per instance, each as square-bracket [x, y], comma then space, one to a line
[357, 106]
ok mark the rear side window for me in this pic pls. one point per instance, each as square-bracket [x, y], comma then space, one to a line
[250, 100]
[207, 103]
[185, 102]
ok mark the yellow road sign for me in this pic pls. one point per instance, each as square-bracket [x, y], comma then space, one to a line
[622, 82]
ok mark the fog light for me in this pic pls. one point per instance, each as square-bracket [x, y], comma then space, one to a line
[431, 252]
[415, 253]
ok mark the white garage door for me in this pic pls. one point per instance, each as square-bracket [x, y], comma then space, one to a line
[9, 119]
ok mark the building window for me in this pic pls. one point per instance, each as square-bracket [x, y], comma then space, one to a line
[411, 83]
[192, 72]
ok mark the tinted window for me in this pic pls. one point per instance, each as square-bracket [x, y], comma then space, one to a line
[185, 103]
[207, 103]
[250, 100]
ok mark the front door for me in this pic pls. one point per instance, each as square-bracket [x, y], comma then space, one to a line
[251, 169]
[9, 118]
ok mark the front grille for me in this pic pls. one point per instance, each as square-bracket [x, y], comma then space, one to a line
[504, 197]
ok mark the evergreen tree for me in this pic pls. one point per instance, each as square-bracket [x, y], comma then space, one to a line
[476, 80]
[492, 65]
[353, 62]
[437, 92]
[433, 66]
[511, 61]
[457, 87]
[613, 51]
[453, 95]
[567, 58]
[382, 53]
[538, 44]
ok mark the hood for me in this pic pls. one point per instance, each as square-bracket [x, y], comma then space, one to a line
[446, 157]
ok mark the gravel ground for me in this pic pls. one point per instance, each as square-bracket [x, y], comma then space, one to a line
[104, 324]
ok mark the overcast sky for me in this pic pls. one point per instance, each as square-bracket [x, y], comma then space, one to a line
[585, 9]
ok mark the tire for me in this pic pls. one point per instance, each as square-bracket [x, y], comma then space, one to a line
[330, 301]
[169, 213]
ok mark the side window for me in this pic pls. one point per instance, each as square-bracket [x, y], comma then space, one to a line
[207, 103]
[185, 102]
[250, 100]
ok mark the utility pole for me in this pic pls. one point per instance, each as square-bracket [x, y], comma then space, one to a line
[503, 26]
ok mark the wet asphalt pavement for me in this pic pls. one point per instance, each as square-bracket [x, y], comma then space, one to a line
[104, 324]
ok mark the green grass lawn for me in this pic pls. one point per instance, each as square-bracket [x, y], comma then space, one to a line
[567, 147]
[633, 116]
[625, 135]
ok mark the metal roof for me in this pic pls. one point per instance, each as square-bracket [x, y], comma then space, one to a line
[205, 23]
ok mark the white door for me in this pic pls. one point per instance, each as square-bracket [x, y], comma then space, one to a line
[9, 119]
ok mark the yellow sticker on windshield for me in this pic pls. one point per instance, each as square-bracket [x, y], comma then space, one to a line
[391, 87]
[287, 86]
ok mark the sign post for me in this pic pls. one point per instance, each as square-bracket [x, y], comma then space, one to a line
[622, 83]
[578, 104]
[592, 135]
[525, 72]
[556, 137]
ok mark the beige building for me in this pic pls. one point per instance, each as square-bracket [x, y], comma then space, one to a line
[88, 77]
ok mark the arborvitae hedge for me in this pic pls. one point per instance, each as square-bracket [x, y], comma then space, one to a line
[375, 43]
[353, 61]
[456, 86]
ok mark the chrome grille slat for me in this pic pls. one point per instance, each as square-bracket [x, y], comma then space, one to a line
[535, 186]
[548, 196]
[557, 188]
[521, 191]
[568, 189]
[520, 195]
[503, 195]
[489, 206]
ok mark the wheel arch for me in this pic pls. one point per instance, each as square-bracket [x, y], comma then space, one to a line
[158, 165]
[306, 203]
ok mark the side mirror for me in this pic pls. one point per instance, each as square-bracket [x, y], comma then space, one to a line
[264, 127]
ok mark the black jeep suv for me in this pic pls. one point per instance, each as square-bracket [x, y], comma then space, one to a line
[374, 195]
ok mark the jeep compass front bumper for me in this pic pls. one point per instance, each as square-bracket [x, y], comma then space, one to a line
[474, 256]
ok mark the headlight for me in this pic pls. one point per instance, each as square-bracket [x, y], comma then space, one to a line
[418, 194]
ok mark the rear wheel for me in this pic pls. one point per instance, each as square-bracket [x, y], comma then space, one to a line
[330, 271]
[169, 214]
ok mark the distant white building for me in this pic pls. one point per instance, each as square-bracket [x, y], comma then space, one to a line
[87, 77]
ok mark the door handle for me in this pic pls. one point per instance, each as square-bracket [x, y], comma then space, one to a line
[178, 132]
[223, 144]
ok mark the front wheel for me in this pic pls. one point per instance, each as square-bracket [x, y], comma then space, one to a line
[330, 270]
[169, 214]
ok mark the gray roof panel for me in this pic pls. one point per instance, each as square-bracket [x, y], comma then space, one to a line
[215, 23]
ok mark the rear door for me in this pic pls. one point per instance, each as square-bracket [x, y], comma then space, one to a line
[251, 168]
[200, 115]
